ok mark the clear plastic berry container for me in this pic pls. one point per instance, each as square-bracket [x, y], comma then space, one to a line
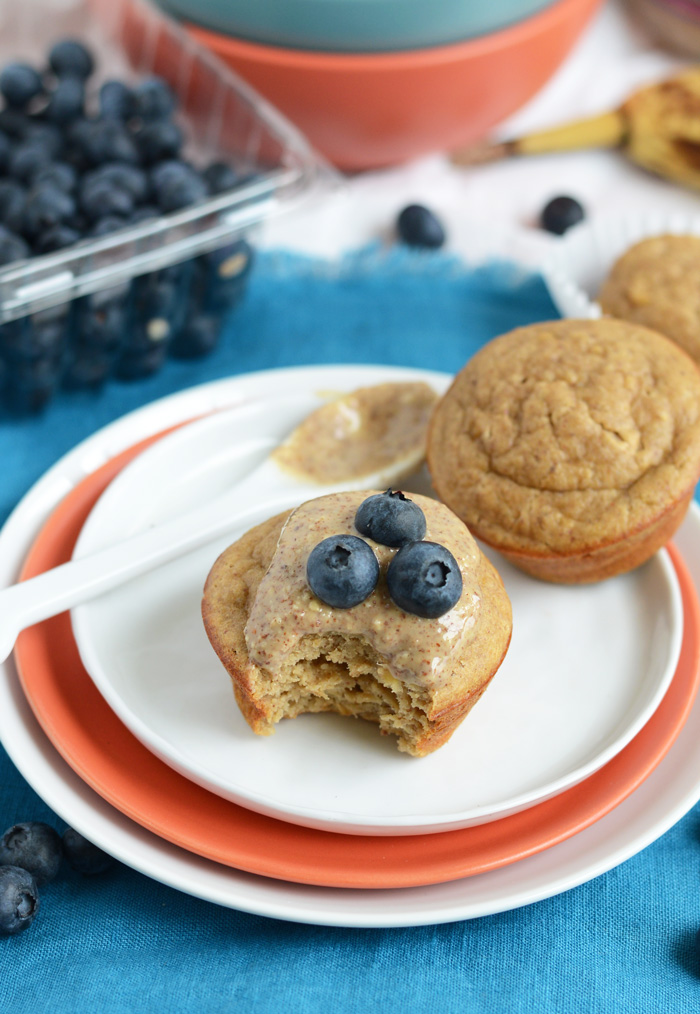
[117, 305]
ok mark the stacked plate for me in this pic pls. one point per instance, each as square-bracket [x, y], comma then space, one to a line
[585, 749]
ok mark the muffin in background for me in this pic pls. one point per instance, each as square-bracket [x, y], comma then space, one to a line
[571, 446]
[656, 283]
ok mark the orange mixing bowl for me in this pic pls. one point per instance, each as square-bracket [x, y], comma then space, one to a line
[365, 110]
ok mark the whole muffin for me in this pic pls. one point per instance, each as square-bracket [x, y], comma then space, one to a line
[657, 283]
[287, 652]
[571, 446]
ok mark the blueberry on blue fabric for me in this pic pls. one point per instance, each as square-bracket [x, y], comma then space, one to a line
[342, 571]
[390, 519]
[19, 900]
[424, 579]
[83, 856]
[35, 847]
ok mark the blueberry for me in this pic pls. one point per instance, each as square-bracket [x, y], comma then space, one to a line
[169, 171]
[83, 856]
[47, 206]
[19, 83]
[99, 141]
[115, 101]
[13, 199]
[19, 900]
[13, 122]
[101, 321]
[5, 149]
[390, 519]
[180, 193]
[25, 340]
[107, 225]
[87, 370]
[418, 226]
[66, 100]
[560, 214]
[45, 135]
[127, 177]
[199, 336]
[144, 214]
[26, 159]
[70, 57]
[57, 174]
[34, 846]
[342, 571]
[12, 247]
[32, 385]
[424, 579]
[58, 237]
[158, 140]
[104, 198]
[153, 99]
[141, 364]
[220, 177]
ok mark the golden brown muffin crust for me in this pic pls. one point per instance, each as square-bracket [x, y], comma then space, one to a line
[422, 722]
[656, 283]
[566, 436]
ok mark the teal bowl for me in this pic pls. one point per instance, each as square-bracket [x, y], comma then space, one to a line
[354, 26]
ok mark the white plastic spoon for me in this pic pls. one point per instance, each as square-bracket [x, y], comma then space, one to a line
[268, 488]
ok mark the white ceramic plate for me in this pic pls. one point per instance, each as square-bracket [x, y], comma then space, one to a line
[669, 792]
[586, 668]
[576, 268]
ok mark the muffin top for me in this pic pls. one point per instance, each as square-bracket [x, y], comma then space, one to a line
[657, 283]
[567, 435]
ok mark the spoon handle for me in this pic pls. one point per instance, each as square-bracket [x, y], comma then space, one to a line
[76, 581]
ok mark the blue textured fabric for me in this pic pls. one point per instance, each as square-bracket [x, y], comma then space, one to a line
[121, 943]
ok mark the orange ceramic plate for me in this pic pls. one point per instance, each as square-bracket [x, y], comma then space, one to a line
[105, 754]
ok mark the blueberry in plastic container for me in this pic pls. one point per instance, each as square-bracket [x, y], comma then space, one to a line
[94, 142]
[31, 384]
[127, 177]
[26, 159]
[47, 205]
[102, 197]
[28, 339]
[46, 135]
[116, 100]
[71, 57]
[198, 337]
[19, 900]
[219, 177]
[226, 274]
[159, 140]
[13, 199]
[35, 846]
[12, 247]
[58, 237]
[13, 122]
[5, 149]
[140, 364]
[153, 99]
[58, 174]
[19, 84]
[66, 100]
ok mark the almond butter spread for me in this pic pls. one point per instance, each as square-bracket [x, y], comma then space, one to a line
[285, 610]
[360, 433]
